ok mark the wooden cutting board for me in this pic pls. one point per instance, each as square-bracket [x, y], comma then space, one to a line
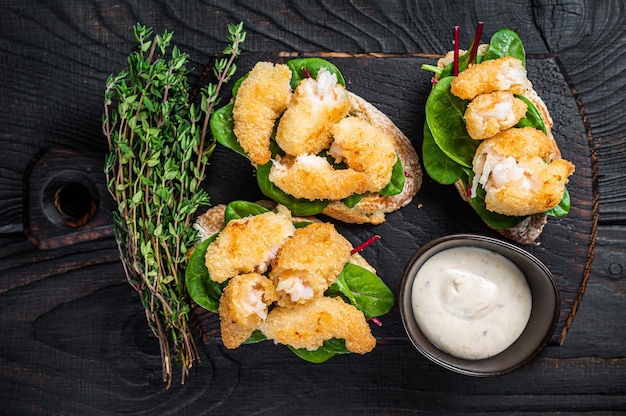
[398, 86]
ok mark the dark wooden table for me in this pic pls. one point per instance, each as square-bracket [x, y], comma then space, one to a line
[73, 336]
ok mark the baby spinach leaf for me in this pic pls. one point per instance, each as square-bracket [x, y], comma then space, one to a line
[493, 219]
[222, 129]
[237, 84]
[204, 291]
[352, 200]
[396, 184]
[365, 290]
[562, 209]
[257, 336]
[313, 66]
[301, 224]
[297, 206]
[532, 117]
[444, 115]
[241, 209]
[329, 349]
[437, 164]
[505, 42]
[340, 289]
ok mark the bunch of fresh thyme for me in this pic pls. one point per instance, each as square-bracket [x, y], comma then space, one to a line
[159, 147]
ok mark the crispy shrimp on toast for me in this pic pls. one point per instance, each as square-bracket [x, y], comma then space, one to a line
[503, 159]
[316, 295]
[309, 159]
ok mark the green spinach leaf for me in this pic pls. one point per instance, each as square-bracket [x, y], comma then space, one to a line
[505, 42]
[257, 336]
[437, 164]
[365, 290]
[241, 209]
[329, 349]
[532, 117]
[562, 209]
[396, 184]
[222, 126]
[352, 200]
[493, 219]
[444, 115]
[204, 291]
[313, 66]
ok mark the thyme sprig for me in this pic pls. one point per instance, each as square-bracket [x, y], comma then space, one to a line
[159, 146]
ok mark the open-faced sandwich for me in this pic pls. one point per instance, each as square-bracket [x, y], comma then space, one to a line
[317, 147]
[489, 133]
[296, 281]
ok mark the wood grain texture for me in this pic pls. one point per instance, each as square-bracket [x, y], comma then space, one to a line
[73, 336]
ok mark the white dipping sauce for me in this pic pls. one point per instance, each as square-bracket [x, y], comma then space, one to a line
[471, 302]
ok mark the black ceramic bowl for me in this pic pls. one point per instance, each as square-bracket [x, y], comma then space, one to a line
[541, 324]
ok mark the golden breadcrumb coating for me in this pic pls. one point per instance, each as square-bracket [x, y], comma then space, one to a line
[521, 171]
[312, 177]
[365, 148]
[260, 100]
[308, 263]
[491, 113]
[502, 74]
[243, 306]
[248, 244]
[316, 104]
[309, 325]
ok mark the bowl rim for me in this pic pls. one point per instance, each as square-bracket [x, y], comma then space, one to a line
[467, 366]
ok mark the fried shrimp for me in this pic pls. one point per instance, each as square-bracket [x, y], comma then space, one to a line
[248, 244]
[312, 177]
[310, 324]
[308, 263]
[521, 171]
[502, 74]
[365, 148]
[260, 100]
[491, 113]
[316, 104]
[243, 306]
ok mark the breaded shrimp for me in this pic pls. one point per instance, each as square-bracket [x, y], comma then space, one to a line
[248, 244]
[308, 263]
[310, 324]
[243, 306]
[316, 104]
[312, 177]
[502, 74]
[491, 113]
[365, 148]
[521, 171]
[260, 100]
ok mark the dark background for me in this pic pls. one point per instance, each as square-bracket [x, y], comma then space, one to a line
[73, 337]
